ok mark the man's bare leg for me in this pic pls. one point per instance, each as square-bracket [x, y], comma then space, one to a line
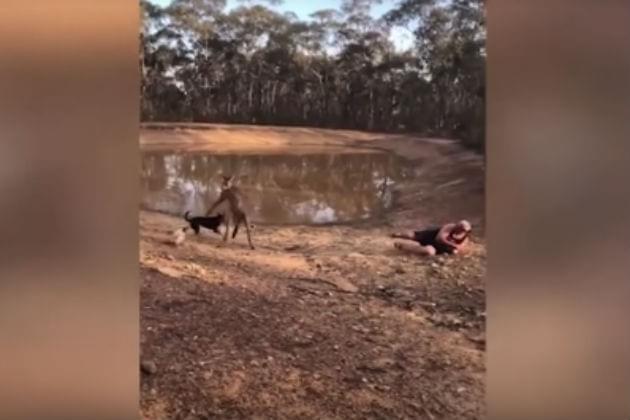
[417, 249]
[408, 234]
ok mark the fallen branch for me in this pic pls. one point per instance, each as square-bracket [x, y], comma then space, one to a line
[315, 280]
[305, 290]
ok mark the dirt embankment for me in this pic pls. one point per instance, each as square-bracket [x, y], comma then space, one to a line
[317, 322]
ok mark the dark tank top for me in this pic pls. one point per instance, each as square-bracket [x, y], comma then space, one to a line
[429, 237]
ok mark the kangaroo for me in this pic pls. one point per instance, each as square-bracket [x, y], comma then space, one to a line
[231, 194]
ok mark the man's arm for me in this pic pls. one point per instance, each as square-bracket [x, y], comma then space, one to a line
[444, 233]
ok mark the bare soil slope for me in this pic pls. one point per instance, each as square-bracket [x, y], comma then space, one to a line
[317, 322]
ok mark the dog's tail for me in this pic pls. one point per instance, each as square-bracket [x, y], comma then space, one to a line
[186, 216]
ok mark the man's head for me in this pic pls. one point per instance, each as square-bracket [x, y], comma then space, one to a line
[462, 228]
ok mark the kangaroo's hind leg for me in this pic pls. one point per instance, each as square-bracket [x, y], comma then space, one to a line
[235, 231]
[249, 235]
[227, 229]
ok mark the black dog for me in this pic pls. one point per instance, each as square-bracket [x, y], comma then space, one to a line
[211, 223]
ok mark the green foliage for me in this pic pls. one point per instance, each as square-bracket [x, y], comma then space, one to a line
[337, 69]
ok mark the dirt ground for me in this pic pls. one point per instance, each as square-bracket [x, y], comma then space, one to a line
[326, 322]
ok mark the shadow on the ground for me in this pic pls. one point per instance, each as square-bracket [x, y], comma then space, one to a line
[228, 352]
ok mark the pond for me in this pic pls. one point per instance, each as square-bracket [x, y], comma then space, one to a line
[314, 188]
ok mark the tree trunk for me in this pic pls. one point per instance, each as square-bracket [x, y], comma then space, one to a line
[251, 95]
[273, 98]
[371, 115]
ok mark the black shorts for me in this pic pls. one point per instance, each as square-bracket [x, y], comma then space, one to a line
[429, 237]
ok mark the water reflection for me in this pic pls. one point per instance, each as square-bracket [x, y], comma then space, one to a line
[301, 189]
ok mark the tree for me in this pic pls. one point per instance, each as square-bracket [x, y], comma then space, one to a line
[338, 68]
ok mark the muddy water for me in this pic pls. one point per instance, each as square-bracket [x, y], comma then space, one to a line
[278, 189]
